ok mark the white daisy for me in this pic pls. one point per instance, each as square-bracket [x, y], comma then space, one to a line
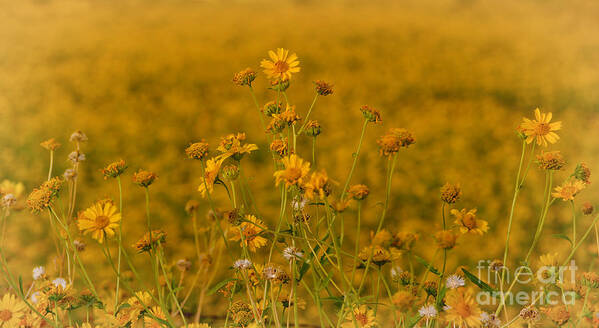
[396, 271]
[428, 311]
[60, 282]
[291, 252]
[455, 281]
[242, 264]
[489, 320]
[38, 272]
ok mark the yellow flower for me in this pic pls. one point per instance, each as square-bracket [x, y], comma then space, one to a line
[281, 65]
[231, 146]
[211, 172]
[294, 172]
[462, 310]
[151, 321]
[11, 311]
[540, 129]
[137, 304]
[101, 220]
[145, 244]
[144, 178]
[468, 222]
[396, 138]
[14, 188]
[248, 233]
[358, 192]
[568, 190]
[362, 316]
[114, 169]
[317, 187]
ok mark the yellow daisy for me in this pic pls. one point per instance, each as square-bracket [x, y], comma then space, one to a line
[211, 172]
[468, 222]
[281, 65]
[101, 220]
[294, 172]
[317, 187]
[11, 311]
[462, 309]
[151, 321]
[568, 190]
[251, 230]
[540, 129]
[361, 316]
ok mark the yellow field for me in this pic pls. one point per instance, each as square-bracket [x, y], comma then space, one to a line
[144, 79]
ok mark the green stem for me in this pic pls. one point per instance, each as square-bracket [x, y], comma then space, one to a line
[353, 166]
[307, 115]
[120, 244]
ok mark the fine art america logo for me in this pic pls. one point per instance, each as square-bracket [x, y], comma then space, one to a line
[547, 285]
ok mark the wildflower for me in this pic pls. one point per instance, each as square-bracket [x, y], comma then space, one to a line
[496, 265]
[430, 287]
[145, 244]
[245, 77]
[323, 88]
[289, 116]
[275, 274]
[79, 245]
[317, 186]
[358, 192]
[231, 145]
[404, 240]
[590, 279]
[272, 108]
[8, 200]
[144, 178]
[281, 65]
[455, 281]
[587, 208]
[280, 146]
[362, 316]
[582, 173]
[428, 312]
[379, 255]
[371, 114]
[191, 206]
[39, 272]
[76, 157]
[489, 320]
[381, 238]
[241, 313]
[468, 222]
[114, 169]
[242, 264]
[540, 129]
[292, 253]
[41, 198]
[403, 300]
[395, 272]
[230, 172]
[11, 311]
[276, 124]
[100, 219]
[551, 160]
[78, 136]
[197, 150]
[70, 174]
[568, 190]
[312, 128]
[393, 140]
[210, 174]
[529, 313]
[183, 265]
[279, 85]
[446, 239]
[299, 203]
[558, 314]
[463, 310]
[50, 144]
[294, 172]
[451, 193]
[340, 205]
[249, 233]
[60, 282]
[152, 320]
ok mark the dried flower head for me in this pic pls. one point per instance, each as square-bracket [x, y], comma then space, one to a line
[279, 85]
[230, 172]
[70, 174]
[8, 201]
[529, 313]
[78, 136]
[242, 264]
[114, 169]
[323, 88]
[558, 314]
[358, 192]
[241, 313]
[281, 65]
[590, 279]
[76, 156]
[393, 140]
[451, 193]
[50, 144]
[289, 116]
[276, 124]
[551, 160]
[144, 178]
[404, 240]
[371, 114]
[582, 173]
[587, 208]
[197, 150]
[540, 129]
[489, 320]
[79, 245]
[245, 77]
[280, 147]
[272, 108]
[312, 128]
[41, 198]
[191, 206]
[145, 244]
[183, 265]
[292, 253]
[446, 239]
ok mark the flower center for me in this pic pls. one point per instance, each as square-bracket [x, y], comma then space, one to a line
[5, 315]
[294, 174]
[281, 66]
[102, 222]
[469, 221]
[463, 310]
[361, 318]
[542, 129]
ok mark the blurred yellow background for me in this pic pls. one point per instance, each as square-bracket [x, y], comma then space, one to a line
[143, 79]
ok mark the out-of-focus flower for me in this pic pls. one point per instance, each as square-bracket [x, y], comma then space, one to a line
[551, 160]
[244, 77]
[114, 169]
[468, 222]
[451, 193]
[50, 144]
[249, 233]
[393, 140]
[294, 172]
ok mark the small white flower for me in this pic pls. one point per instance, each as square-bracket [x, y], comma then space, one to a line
[396, 271]
[242, 264]
[34, 297]
[8, 200]
[299, 203]
[455, 281]
[38, 272]
[60, 282]
[489, 320]
[76, 157]
[428, 311]
[446, 307]
[291, 253]
[270, 273]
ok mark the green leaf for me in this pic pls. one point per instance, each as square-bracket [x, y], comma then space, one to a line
[414, 320]
[481, 284]
[305, 267]
[427, 265]
[562, 236]
[220, 285]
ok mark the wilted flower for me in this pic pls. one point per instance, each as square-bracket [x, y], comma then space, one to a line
[145, 244]
[76, 156]
[451, 193]
[289, 116]
[582, 173]
[371, 114]
[183, 265]
[78, 136]
[323, 88]
[50, 144]
[280, 147]
[446, 239]
[551, 160]
[272, 108]
[587, 208]
[317, 186]
[197, 150]
[312, 128]
[393, 140]
[245, 77]
[590, 279]
[144, 178]
[69, 174]
[358, 192]
[558, 314]
[242, 264]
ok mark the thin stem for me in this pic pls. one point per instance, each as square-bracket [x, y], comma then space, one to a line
[308, 115]
[353, 166]
[120, 244]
